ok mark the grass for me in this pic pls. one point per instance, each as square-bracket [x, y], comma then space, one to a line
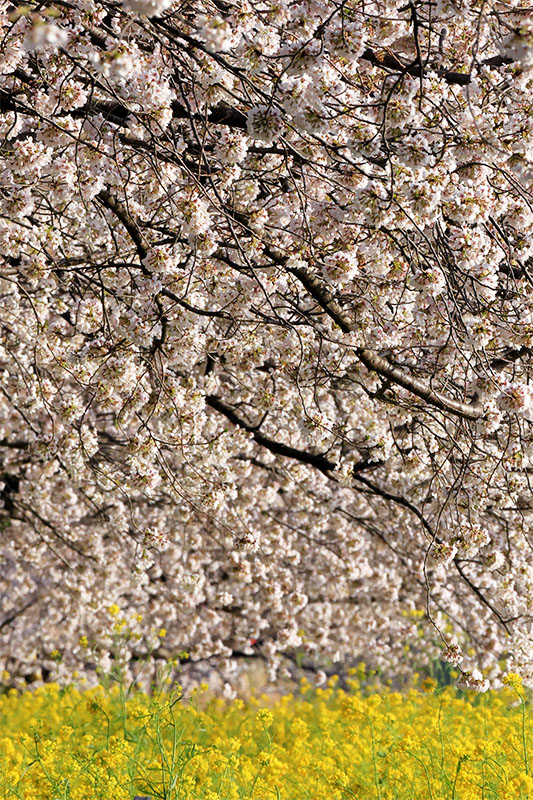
[107, 744]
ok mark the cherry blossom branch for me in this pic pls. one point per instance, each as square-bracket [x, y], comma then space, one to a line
[17, 612]
[391, 61]
[407, 504]
[479, 594]
[318, 290]
[326, 466]
[114, 205]
[317, 460]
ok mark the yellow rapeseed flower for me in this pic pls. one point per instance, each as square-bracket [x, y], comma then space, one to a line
[101, 743]
[513, 680]
[264, 717]
[429, 685]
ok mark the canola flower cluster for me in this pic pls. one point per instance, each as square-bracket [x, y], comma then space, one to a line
[107, 744]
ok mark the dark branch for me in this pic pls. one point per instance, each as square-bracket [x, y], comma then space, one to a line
[127, 220]
[317, 460]
[372, 361]
[391, 61]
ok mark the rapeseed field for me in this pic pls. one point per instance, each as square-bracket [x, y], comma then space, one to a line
[316, 744]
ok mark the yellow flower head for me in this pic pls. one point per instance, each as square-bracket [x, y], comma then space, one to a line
[513, 680]
[264, 717]
[429, 685]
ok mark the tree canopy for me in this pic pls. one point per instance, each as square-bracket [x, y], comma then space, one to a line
[266, 332]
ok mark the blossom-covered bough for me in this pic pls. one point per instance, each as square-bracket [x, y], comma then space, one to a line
[266, 329]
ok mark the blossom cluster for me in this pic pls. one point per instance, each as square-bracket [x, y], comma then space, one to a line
[266, 326]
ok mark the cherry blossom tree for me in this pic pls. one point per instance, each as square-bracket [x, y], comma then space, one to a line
[266, 333]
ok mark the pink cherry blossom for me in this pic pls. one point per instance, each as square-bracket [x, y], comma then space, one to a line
[265, 336]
